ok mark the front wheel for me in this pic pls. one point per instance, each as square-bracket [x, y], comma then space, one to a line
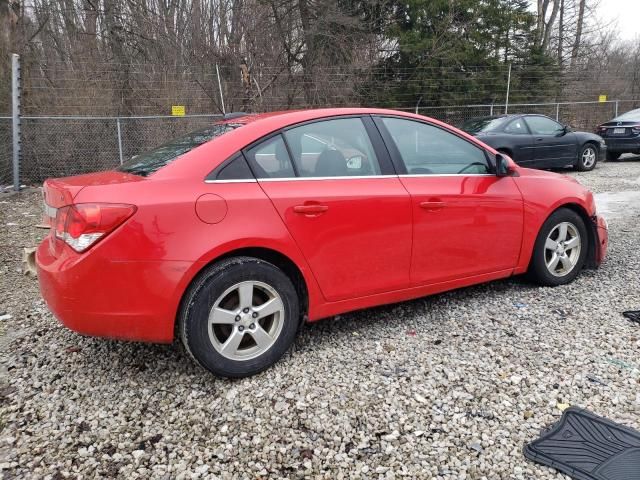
[560, 249]
[239, 317]
[587, 158]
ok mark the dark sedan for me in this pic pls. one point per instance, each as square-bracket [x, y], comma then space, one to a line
[622, 134]
[537, 141]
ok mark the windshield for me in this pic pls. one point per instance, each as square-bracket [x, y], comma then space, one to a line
[629, 116]
[152, 161]
[476, 125]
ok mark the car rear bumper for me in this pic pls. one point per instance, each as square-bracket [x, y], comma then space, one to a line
[125, 300]
[623, 145]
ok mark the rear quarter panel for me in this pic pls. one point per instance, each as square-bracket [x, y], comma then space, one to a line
[166, 228]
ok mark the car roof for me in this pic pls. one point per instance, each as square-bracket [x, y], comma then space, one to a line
[260, 125]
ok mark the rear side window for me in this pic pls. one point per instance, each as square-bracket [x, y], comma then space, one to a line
[428, 150]
[517, 127]
[236, 169]
[332, 148]
[270, 159]
[153, 160]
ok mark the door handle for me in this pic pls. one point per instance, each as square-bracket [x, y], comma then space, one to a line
[433, 206]
[310, 209]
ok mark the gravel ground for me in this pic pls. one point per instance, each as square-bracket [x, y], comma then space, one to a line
[449, 386]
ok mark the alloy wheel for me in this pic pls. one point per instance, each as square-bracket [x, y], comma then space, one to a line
[562, 249]
[588, 157]
[246, 320]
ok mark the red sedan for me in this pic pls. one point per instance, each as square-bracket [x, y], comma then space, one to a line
[231, 236]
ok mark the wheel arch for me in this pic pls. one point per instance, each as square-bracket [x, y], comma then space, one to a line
[279, 259]
[590, 142]
[590, 261]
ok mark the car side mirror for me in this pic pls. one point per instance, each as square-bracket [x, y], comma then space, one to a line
[565, 129]
[502, 165]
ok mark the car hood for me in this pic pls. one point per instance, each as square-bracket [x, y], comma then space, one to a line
[531, 172]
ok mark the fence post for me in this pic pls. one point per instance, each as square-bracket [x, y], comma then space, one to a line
[119, 139]
[224, 111]
[506, 102]
[557, 112]
[15, 115]
[616, 107]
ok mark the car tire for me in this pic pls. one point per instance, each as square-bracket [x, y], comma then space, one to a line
[553, 265]
[224, 321]
[613, 156]
[587, 158]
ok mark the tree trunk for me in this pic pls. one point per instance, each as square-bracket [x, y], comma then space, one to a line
[576, 44]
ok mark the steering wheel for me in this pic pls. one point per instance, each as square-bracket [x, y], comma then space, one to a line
[474, 164]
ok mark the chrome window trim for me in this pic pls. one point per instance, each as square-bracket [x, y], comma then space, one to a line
[353, 177]
[235, 180]
[343, 177]
[414, 175]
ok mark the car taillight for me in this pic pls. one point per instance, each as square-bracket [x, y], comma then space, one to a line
[601, 129]
[635, 128]
[83, 224]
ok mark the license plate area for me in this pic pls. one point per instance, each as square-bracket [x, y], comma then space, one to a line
[619, 131]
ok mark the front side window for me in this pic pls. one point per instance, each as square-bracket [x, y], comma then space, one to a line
[426, 149]
[270, 159]
[544, 126]
[332, 148]
[152, 161]
[517, 127]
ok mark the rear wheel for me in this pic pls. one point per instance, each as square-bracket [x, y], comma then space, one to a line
[239, 317]
[560, 249]
[613, 156]
[587, 158]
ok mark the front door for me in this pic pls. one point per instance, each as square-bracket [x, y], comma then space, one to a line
[348, 213]
[466, 220]
[551, 145]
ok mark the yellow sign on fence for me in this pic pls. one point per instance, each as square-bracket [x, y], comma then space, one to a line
[602, 98]
[177, 110]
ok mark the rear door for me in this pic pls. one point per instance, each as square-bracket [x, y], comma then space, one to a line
[467, 221]
[335, 189]
[520, 140]
[551, 146]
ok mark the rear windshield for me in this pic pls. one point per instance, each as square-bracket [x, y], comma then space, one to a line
[486, 124]
[153, 160]
[629, 116]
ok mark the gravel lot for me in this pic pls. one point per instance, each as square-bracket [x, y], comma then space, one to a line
[449, 386]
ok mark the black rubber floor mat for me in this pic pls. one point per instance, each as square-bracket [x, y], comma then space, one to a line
[588, 447]
[633, 315]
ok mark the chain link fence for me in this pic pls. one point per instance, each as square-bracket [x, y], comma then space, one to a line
[6, 151]
[62, 146]
[580, 115]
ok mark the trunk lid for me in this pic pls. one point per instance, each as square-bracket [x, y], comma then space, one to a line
[618, 129]
[59, 192]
